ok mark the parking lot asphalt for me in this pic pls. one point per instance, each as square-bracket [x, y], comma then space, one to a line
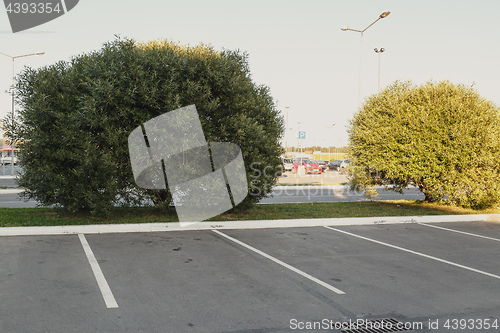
[423, 275]
[7, 181]
[327, 177]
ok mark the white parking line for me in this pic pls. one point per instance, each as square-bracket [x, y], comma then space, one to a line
[460, 232]
[109, 299]
[298, 271]
[417, 253]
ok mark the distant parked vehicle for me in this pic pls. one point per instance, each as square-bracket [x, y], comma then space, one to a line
[287, 164]
[310, 165]
[343, 166]
[322, 164]
[6, 156]
[334, 165]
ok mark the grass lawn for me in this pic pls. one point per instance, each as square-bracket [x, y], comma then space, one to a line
[11, 217]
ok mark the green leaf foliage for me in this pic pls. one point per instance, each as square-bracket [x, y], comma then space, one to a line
[441, 137]
[76, 117]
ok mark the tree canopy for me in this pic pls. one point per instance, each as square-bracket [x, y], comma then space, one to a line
[443, 138]
[76, 117]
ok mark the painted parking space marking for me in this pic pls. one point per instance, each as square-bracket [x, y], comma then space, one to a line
[109, 299]
[417, 253]
[460, 232]
[298, 271]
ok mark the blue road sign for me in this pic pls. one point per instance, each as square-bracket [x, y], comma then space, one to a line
[302, 135]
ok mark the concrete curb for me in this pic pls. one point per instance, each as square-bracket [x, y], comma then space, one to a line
[11, 191]
[261, 224]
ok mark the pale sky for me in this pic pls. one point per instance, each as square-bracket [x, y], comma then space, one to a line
[296, 48]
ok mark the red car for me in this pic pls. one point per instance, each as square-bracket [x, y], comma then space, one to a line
[310, 165]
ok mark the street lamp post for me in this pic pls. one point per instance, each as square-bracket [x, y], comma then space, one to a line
[286, 131]
[346, 28]
[298, 137]
[338, 150]
[12, 91]
[329, 146]
[379, 52]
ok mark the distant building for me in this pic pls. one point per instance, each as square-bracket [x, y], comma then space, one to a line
[2, 141]
[6, 150]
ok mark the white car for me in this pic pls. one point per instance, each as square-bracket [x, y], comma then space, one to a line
[6, 158]
[287, 164]
[343, 166]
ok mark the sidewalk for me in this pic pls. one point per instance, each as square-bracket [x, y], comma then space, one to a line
[222, 225]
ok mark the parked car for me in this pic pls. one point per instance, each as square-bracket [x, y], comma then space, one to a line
[310, 165]
[6, 156]
[287, 164]
[334, 165]
[343, 166]
[322, 164]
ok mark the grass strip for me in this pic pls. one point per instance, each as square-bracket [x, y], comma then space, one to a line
[15, 217]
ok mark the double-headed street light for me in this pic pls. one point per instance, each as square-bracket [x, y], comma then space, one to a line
[346, 28]
[379, 51]
[12, 91]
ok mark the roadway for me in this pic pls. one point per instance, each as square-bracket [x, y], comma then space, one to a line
[290, 189]
[335, 193]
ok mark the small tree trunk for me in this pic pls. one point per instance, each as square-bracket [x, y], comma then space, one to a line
[428, 197]
[162, 198]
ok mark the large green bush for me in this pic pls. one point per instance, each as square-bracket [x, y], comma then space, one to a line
[76, 117]
[441, 137]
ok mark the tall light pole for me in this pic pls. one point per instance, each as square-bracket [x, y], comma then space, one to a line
[379, 52]
[346, 28]
[298, 136]
[286, 131]
[329, 146]
[12, 91]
